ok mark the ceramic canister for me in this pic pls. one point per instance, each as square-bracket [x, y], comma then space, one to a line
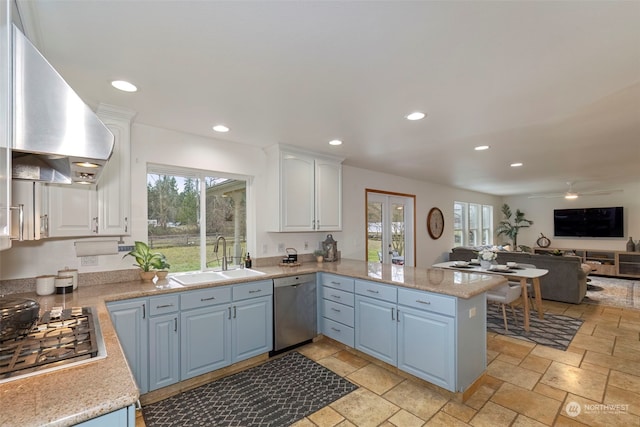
[64, 284]
[45, 285]
[72, 273]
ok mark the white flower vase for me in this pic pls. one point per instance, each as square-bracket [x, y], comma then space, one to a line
[485, 265]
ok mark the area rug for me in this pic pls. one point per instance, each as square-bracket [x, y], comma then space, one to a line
[275, 394]
[554, 330]
[613, 292]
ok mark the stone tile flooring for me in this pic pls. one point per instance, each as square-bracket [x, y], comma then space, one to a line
[526, 385]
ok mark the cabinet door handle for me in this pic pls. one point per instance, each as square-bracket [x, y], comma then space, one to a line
[335, 296]
[392, 318]
[207, 299]
[164, 306]
[229, 312]
[256, 291]
[20, 209]
[175, 324]
[126, 224]
[335, 283]
[398, 316]
[234, 312]
[44, 225]
[335, 329]
[95, 221]
[335, 309]
[423, 302]
[144, 311]
[373, 291]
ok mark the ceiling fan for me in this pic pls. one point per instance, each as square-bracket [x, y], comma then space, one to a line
[571, 194]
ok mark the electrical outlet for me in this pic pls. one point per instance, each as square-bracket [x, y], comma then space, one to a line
[89, 261]
[472, 312]
[265, 248]
[306, 245]
[280, 247]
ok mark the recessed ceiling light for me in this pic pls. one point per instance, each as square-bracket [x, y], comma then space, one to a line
[481, 147]
[335, 142]
[516, 165]
[570, 196]
[221, 128]
[124, 86]
[416, 116]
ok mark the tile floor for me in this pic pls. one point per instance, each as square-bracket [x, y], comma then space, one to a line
[526, 384]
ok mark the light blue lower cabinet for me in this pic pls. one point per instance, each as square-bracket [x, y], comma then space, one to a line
[205, 340]
[252, 328]
[376, 329]
[125, 417]
[130, 320]
[164, 351]
[426, 346]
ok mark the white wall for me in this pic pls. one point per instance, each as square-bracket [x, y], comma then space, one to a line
[540, 211]
[160, 146]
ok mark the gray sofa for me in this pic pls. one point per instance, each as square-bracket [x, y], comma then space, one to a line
[565, 282]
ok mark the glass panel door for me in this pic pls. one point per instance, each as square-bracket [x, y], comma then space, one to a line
[390, 228]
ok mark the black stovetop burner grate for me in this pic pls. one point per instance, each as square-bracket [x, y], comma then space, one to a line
[60, 337]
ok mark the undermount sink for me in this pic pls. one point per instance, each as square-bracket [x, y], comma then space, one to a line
[199, 277]
[241, 272]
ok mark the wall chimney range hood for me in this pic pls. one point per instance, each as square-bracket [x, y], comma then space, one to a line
[57, 137]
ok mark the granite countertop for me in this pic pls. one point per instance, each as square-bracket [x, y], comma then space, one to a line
[74, 394]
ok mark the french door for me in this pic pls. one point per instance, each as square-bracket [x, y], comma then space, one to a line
[390, 228]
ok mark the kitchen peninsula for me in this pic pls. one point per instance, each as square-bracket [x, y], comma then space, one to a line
[75, 394]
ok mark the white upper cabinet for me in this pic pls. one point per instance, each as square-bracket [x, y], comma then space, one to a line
[103, 209]
[114, 187]
[5, 128]
[309, 189]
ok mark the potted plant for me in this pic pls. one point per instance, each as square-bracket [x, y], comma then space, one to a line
[162, 267]
[510, 228]
[319, 253]
[145, 259]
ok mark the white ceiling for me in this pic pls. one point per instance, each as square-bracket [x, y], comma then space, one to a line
[555, 85]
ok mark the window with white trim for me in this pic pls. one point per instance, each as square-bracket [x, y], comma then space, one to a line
[472, 224]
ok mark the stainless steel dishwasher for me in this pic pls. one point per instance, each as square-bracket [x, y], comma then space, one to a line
[294, 311]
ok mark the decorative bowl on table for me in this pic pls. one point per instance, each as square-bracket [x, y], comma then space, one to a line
[512, 264]
[499, 267]
[461, 264]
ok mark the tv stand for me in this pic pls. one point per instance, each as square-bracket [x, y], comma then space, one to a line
[603, 262]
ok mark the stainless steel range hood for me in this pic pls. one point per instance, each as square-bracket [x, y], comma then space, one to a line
[57, 137]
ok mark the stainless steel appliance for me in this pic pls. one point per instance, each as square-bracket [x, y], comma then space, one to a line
[56, 136]
[61, 338]
[294, 311]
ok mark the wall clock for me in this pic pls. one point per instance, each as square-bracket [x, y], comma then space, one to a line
[435, 223]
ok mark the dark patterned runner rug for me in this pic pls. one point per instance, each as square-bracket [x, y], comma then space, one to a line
[554, 330]
[276, 393]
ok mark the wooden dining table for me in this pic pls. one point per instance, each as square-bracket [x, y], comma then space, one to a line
[522, 274]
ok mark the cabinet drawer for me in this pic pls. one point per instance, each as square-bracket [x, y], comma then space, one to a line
[164, 304]
[205, 297]
[336, 295]
[338, 331]
[427, 301]
[338, 312]
[253, 290]
[337, 282]
[376, 290]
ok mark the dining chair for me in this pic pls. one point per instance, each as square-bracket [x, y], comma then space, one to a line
[505, 294]
[530, 292]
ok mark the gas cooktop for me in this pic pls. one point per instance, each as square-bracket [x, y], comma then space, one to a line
[62, 338]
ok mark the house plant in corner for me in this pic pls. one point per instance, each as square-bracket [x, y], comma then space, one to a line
[510, 228]
[145, 259]
[319, 254]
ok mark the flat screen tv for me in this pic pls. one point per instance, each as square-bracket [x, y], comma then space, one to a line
[588, 222]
